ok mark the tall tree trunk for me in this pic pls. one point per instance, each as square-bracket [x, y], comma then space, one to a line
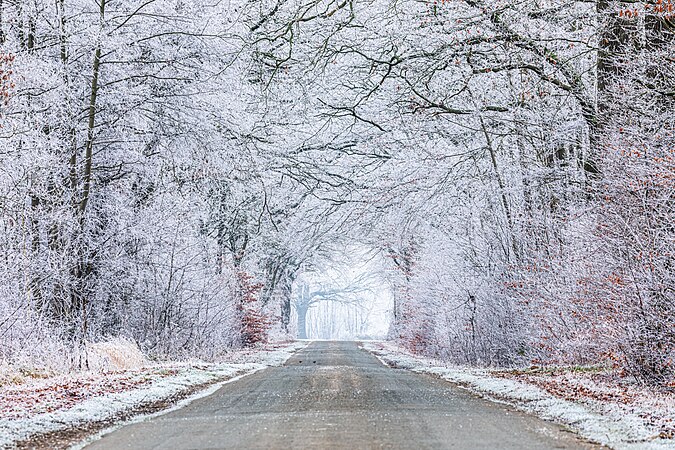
[82, 268]
[659, 38]
[35, 289]
[2, 29]
[617, 37]
[288, 274]
[89, 146]
[72, 181]
[616, 34]
[286, 293]
[302, 321]
[502, 191]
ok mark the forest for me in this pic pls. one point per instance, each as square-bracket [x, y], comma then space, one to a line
[170, 170]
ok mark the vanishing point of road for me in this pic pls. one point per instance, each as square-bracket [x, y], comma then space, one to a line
[336, 395]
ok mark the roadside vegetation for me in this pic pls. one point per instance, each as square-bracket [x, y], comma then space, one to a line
[172, 170]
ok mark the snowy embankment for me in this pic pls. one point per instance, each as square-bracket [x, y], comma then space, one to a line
[612, 415]
[87, 402]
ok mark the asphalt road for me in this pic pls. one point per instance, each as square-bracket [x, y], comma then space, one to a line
[335, 395]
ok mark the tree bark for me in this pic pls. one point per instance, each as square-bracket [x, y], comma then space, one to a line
[616, 35]
[2, 30]
[82, 267]
[302, 321]
[89, 146]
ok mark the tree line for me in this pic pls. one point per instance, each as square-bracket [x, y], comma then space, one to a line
[168, 167]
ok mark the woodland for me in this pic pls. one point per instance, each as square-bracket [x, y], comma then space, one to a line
[171, 169]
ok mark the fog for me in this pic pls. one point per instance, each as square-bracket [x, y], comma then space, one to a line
[344, 298]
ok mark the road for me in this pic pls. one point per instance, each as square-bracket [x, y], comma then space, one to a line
[336, 395]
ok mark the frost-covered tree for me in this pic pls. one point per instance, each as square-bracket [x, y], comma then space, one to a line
[169, 168]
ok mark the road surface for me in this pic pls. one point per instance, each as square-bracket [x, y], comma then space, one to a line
[335, 395]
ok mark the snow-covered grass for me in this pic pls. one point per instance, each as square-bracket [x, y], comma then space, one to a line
[604, 420]
[52, 404]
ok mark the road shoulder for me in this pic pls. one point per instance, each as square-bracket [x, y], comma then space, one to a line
[604, 422]
[62, 411]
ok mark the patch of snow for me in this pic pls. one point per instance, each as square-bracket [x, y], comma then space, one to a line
[619, 431]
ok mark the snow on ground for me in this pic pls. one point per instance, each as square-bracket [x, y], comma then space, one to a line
[62, 402]
[601, 418]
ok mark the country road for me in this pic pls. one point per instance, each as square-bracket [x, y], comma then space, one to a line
[336, 395]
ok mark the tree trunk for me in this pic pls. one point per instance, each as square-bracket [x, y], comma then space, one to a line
[35, 289]
[72, 161]
[82, 267]
[617, 35]
[302, 321]
[2, 31]
[89, 147]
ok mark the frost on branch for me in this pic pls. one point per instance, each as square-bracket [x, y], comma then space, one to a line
[169, 173]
